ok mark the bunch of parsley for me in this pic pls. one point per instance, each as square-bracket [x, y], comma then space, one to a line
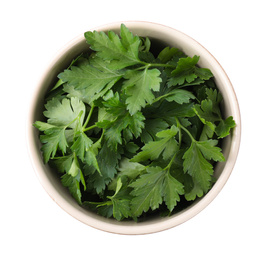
[131, 131]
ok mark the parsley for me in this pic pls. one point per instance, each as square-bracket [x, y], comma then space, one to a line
[131, 133]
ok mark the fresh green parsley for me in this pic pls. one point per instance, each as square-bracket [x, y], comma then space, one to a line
[133, 134]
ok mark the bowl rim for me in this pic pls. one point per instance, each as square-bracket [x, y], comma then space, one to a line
[129, 228]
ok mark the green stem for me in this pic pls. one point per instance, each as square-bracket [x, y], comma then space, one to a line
[157, 65]
[61, 157]
[99, 204]
[161, 65]
[183, 128]
[171, 161]
[160, 97]
[89, 116]
[143, 67]
[101, 137]
[180, 137]
[89, 128]
[78, 117]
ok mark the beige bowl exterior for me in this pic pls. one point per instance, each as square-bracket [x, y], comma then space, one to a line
[53, 186]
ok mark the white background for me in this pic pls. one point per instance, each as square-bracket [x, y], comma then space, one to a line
[236, 225]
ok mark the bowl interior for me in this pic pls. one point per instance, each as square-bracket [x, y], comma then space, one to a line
[50, 181]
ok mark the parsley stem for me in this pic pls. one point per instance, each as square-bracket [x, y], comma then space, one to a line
[171, 161]
[183, 128]
[77, 118]
[161, 65]
[148, 65]
[158, 65]
[89, 128]
[89, 116]
[160, 97]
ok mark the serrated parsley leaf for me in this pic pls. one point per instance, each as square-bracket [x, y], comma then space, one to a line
[121, 52]
[139, 86]
[185, 65]
[60, 82]
[167, 53]
[184, 71]
[147, 191]
[63, 164]
[121, 208]
[203, 73]
[73, 178]
[187, 71]
[42, 126]
[122, 120]
[127, 168]
[209, 113]
[61, 115]
[216, 98]
[207, 132]
[166, 145]
[180, 96]
[224, 127]
[81, 145]
[152, 127]
[65, 112]
[198, 167]
[210, 151]
[171, 191]
[154, 187]
[83, 148]
[121, 202]
[90, 80]
[195, 192]
[73, 184]
[206, 114]
[53, 139]
[168, 111]
[117, 206]
[107, 161]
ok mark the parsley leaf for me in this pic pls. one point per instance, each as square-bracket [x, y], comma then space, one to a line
[180, 96]
[196, 162]
[117, 206]
[187, 71]
[129, 169]
[90, 80]
[121, 120]
[121, 203]
[147, 191]
[73, 183]
[167, 54]
[73, 178]
[224, 127]
[152, 127]
[121, 52]
[138, 87]
[206, 114]
[166, 145]
[83, 148]
[210, 115]
[198, 167]
[53, 139]
[68, 112]
[107, 161]
[154, 187]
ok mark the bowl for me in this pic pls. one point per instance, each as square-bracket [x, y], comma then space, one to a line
[51, 183]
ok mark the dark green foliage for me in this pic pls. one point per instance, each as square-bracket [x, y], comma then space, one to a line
[133, 133]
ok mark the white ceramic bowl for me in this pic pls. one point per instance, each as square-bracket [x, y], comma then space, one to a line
[52, 184]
